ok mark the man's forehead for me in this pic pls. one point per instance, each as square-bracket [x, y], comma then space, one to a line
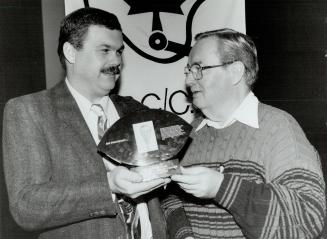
[206, 45]
[202, 50]
[104, 36]
[102, 30]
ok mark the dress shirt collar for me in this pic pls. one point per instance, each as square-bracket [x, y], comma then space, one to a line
[246, 113]
[84, 104]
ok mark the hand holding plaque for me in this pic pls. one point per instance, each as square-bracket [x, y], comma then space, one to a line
[147, 141]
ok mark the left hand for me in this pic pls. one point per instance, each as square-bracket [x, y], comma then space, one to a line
[201, 182]
[123, 181]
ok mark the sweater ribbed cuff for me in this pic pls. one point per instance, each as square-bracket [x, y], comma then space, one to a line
[178, 225]
[228, 190]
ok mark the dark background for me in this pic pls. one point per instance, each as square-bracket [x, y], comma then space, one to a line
[291, 37]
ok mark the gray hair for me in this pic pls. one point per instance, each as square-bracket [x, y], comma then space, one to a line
[235, 46]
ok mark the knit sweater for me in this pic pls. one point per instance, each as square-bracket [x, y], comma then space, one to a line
[273, 185]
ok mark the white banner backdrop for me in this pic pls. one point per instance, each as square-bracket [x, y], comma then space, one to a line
[158, 35]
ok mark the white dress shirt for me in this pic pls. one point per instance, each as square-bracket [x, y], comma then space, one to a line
[92, 122]
[246, 113]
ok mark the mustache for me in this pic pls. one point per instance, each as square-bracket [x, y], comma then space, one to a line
[113, 70]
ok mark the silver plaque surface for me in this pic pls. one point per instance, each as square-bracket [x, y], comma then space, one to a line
[147, 141]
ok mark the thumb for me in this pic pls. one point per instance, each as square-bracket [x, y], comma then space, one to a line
[193, 170]
[190, 170]
[134, 177]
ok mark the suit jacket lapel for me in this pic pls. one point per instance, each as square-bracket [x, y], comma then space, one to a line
[72, 118]
[82, 140]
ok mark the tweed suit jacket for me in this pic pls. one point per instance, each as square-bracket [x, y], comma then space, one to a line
[56, 180]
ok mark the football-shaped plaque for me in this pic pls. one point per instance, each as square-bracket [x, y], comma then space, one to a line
[147, 141]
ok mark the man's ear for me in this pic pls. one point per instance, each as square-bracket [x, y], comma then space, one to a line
[237, 69]
[69, 52]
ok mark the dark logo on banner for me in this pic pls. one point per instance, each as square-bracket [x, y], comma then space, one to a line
[157, 39]
[168, 100]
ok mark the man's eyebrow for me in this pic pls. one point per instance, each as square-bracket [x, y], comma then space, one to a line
[121, 48]
[112, 48]
[196, 62]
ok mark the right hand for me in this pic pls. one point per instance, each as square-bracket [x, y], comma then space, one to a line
[123, 181]
[199, 181]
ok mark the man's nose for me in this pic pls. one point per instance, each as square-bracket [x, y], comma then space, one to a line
[115, 58]
[189, 79]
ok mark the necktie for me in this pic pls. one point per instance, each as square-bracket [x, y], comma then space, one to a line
[102, 119]
[128, 208]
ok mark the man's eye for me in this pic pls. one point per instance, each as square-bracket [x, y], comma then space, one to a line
[120, 52]
[105, 50]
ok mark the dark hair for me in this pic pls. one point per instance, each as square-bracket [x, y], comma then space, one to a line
[235, 46]
[74, 27]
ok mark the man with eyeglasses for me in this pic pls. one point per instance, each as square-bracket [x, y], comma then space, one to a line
[250, 171]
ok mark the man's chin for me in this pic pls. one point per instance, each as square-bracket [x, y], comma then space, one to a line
[199, 102]
[107, 86]
[196, 100]
[110, 78]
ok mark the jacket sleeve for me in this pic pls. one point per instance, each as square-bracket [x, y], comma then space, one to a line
[37, 198]
[291, 203]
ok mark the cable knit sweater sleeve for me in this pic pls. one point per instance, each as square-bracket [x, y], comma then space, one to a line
[177, 223]
[290, 202]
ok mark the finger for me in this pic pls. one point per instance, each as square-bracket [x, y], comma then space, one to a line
[139, 193]
[148, 185]
[187, 186]
[192, 170]
[183, 178]
[132, 177]
[188, 190]
[167, 180]
[147, 191]
[136, 189]
[194, 192]
[122, 173]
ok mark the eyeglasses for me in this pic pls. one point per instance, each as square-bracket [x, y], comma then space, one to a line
[196, 69]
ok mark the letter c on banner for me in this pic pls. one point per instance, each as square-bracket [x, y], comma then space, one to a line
[171, 102]
[148, 95]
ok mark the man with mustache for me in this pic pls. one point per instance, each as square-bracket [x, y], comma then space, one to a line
[57, 183]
